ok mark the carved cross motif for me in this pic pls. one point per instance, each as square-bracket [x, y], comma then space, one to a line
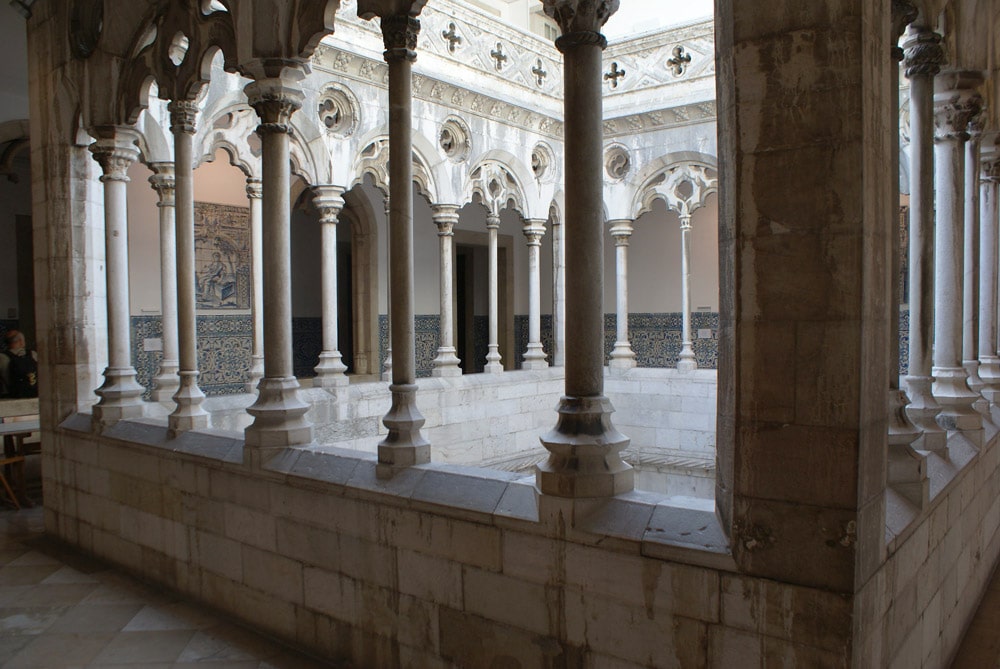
[454, 39]
[679, 62]
[614, 75]
[539, 72]
[499, 56]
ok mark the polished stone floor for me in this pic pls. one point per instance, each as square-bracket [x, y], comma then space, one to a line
[59, 610]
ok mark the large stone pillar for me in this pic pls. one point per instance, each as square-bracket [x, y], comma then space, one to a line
[166, 381]
[279, 414]
[534, 356]
[622, 356]
[120, 395]
[923, 58]
[558, 291]
[447, 363]
[254, 195]
[970, 273]
[329, 202]
[584, 448]
[989, 362]
[493, 364]
[404, 445]
[188, 413]
[955, 103]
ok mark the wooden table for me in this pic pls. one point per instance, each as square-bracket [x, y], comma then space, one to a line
[12, 462]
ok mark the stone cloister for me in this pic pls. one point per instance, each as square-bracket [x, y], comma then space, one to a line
[855, 511]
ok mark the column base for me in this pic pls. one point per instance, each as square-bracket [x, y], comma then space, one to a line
[686, 361]
[279, 415]
[403, 446]
[952, 392]
[989, 374]
[922, 411]
[907, 472]
[166, 382]
[188, 414]
[256, 373]
[446, 363]
[584, 452]
[330, 371]
[493, 365]
[622, 356]
[121, 398]
[534, 357]
[972, 375]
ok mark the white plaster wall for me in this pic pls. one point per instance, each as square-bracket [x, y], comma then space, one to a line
[15, 200]
[426, 260]
[307, 260]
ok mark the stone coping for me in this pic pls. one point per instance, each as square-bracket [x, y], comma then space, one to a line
[677, 528]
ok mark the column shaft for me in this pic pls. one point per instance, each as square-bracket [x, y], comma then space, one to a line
[166, 381]
[446, 363]
[558, 293]
[970, 289]
[534, 356]
[188, 413]
[686, 360]
[622, 356]
[493, 364]
[120, 395]
[330, 370]
[989, 363]
[254, 195]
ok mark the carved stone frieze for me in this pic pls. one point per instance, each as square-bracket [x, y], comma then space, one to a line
[655, 120]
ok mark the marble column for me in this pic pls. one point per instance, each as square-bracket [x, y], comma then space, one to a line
[955, 103]
[446, 363]
[907, 467]
[404, 445]
[278, 413]
[584, 448]
[970, 274]
[989, 362]
[188, 413]
[166, 381]
[387, 364]
[622, 356]
[923, 58]
[329, 202]
[558, 292]
[686, 361]
[254, 195]
[534, 356]
[493, 364]
[120, 395]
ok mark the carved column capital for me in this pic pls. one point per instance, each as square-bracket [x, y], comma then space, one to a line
[533, 231]
[956, 104]
[163, 182]
[445, 217]
[621, 231]
[329, 201]
[580, 20]
[115, 151]
[904, 13]
[923, 54]
[255, 188]
[492, 221]
[183, 114]
[399, 34]
[991, 168]
[275, 100]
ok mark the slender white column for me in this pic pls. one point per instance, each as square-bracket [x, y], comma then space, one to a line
[404, 445]
[584, 447]
[989, 362]
[534, 356]
[923, 58]
[330, 370]
[279, 414]
[166, 381]
[387, 364]
[558, 292]
[120, 394]
[955, 103]
[970, 289]
[447, 363]
[622, 356]
[254, 195]
[493, 364]
[188, 413]
[686, 360]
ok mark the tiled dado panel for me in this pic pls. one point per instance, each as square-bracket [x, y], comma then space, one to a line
[225, 344]
[656, 338]
[427, 329]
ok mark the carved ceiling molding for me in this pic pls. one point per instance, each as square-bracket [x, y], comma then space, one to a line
[660, 119]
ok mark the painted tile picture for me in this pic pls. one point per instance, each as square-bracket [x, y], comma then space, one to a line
[222, 256]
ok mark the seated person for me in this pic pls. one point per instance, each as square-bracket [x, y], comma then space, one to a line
[19, 375]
